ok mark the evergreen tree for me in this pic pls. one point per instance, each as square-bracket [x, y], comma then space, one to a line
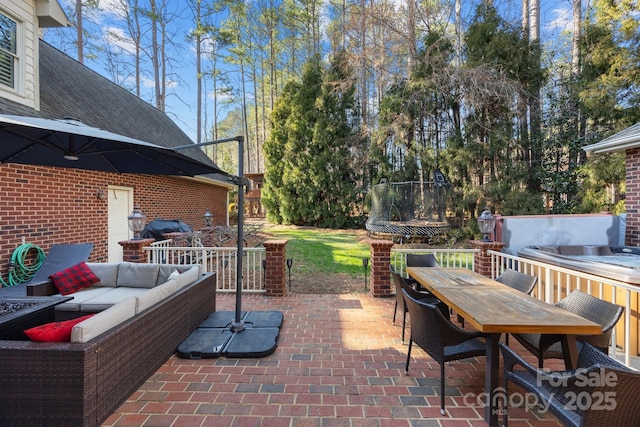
[309, 176]
[273, 190]
[610, 98]
[289, 154]
[299, 192]
[610, 88]
[334, 135]
[502, 65]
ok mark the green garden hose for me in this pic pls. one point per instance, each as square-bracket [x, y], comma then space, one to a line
[20, 270]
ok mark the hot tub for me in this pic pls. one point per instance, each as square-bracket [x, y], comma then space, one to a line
[614, 262]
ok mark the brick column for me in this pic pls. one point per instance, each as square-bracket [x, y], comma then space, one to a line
[206, 237]
[132, 249]
[482, 260]
[632, 200]
[275, 278]
[380, 276]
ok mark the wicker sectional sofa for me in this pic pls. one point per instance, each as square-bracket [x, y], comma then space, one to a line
[136, 329]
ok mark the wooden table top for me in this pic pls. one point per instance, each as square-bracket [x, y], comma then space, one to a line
[493, 307]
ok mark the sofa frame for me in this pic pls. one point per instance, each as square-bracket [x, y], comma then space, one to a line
[82, 384]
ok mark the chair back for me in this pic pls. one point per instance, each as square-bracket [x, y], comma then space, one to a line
[616, 382]
[413, 292]
[599, 311]
[397, 281]
[619, 381]
[517, 280]
[430, 329]
[627, 410]
[422, 260]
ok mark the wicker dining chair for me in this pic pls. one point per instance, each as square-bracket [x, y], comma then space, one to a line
[517, 280]
[440, 338]
[595, 309]
[420, 260]
[609, 398]
[400, 283]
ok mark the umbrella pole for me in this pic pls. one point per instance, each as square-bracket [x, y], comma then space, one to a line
[238, 324]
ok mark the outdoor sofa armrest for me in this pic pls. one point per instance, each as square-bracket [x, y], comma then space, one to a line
[44, 288]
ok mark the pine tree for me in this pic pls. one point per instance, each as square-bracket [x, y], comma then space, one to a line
[334, 136]
[273, 150]
[309, 176]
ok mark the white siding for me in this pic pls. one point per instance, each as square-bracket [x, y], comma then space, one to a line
[26, 91]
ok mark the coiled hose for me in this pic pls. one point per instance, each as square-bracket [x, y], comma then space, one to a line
[19, 270]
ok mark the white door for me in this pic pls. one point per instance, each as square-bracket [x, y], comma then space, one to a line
[120, 207]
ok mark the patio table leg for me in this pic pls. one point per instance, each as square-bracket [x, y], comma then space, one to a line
[491, 382]
[570, 351]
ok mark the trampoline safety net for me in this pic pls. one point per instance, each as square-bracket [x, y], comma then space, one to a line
[409, 209]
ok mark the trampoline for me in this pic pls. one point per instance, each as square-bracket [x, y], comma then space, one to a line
[410, 210]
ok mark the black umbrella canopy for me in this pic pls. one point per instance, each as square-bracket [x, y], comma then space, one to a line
[72, 144]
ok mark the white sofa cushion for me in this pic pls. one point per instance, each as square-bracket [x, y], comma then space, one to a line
[155, 295]
[167, 270]
[105, 300]
[188, 276]
[135, 275]
[103, 321]
[106, 272]
[82, 296]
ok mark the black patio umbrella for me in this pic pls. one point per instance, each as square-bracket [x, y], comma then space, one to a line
[72, 144]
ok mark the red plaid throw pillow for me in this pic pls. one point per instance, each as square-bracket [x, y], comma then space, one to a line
[74, 279]
[56, 331]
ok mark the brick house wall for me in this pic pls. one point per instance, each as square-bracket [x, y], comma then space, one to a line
[45, 205]
[632, 200]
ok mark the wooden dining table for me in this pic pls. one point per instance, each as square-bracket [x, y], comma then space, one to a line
[494, 308]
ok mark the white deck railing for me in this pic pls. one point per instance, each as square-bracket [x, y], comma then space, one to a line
[221, 260]
[555, 282]
[462, 258]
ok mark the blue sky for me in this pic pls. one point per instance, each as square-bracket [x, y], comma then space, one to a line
[181, 103]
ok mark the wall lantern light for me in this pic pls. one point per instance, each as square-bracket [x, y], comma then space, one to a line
[101, 194]
[208, 218]
[137, 221]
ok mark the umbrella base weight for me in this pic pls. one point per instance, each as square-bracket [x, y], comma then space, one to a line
[205, 343]
[215, 336]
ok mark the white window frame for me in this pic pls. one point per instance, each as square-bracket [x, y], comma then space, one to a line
[18, 78]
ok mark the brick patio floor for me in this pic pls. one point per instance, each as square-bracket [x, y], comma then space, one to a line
[339, 362]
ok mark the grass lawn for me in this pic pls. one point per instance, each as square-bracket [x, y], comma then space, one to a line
[322, 250]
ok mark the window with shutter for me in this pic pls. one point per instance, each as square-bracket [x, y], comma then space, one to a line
[8, 51]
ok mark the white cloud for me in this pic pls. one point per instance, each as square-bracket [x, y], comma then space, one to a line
[115, 8]
[561, 19]
[114, 36]
[222, 96]
[146, 82]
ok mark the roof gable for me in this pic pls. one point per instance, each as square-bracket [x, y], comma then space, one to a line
[626, 139]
